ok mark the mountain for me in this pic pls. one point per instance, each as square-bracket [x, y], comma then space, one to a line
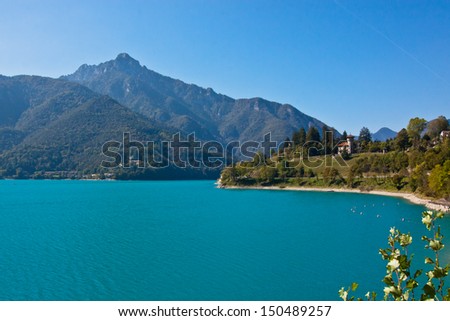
[188, 107]
[384, 134]
[49, 124]
[60, 125]
[54, 125]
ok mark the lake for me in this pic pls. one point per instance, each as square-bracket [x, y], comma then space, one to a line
[187, 240]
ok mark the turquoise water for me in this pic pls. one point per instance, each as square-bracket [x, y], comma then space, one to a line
[108, 240]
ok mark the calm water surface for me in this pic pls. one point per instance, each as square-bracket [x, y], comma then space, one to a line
[108, 240]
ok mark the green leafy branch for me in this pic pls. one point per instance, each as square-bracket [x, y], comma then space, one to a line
[400, 283]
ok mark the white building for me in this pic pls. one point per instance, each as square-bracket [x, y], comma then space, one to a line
[348, 145]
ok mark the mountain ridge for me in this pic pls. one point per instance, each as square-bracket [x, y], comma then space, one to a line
[55, 125]
[383, 134]
[49, 124]
[190, 107]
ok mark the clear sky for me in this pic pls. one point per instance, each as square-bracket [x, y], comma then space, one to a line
[348, 63]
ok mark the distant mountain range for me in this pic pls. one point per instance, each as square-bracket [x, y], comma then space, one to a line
[384, 134]
[60, 125]
[190, 108]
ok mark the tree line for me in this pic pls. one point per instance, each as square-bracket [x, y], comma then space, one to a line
[416, 160]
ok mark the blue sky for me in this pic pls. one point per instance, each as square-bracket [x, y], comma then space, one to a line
[347, 63]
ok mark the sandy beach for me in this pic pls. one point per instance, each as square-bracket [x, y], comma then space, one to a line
[430, 204]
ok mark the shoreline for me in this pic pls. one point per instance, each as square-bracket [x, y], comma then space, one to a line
[412, 198]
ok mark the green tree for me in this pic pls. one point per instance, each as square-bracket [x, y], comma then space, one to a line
[419, 179]
[300, 172]
[344, 135]
[402, 140]
[364, 135]
[257, 160]
[302, 136]
[439, 180]
[415, 158]
[296, 138]
[299, 138]
[398, 181]
[364, 139]
[312, 135]
[327, 139]
[229, 175]
[350, 179]
[310, 173]
[345, 154]
[415, 128]
[400, 161]
[284, 170]
[436, 126]
[313, 141]
[330, 175]
[287, 143]
[374, 147]
[268, 174]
